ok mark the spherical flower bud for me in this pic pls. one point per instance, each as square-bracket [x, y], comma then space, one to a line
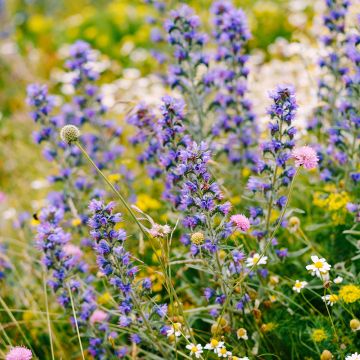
[69, 134]
[98, 316]
[305, 156]
[326, 355]
[294, 224]
[197, 238]
[241, 222]
[355, 324]
[19, 353]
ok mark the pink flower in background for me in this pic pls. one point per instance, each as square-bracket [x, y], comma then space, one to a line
[73, 250]
[98, 316]
[2, 197]
[305, 156]
[241, 222]
[19, 353]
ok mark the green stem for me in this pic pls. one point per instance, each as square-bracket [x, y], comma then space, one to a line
[48, 318]
[122, 199]
[76, 323]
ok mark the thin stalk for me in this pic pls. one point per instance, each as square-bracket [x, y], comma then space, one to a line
[3, 304]
[48, 318]
[238, 283]
[122, 199]
[76, 323]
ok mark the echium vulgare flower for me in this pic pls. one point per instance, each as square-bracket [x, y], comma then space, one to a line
[182, 27]
[344, 136]
[59, 257]
[115, 262]
[85, 106]
[233, 109]
[144, 119]
[332, 64]
[274, 171]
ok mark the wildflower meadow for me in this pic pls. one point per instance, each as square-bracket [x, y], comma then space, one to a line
[180, 179]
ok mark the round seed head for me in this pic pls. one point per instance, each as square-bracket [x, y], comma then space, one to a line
[197, 238]
[69, 134]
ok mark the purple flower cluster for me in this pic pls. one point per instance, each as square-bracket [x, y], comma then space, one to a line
[52, 240]
[344, 135]
[233, 110]
[144, 119]
[332, 64]
[112, 258]
[188, 42]
[274, 168]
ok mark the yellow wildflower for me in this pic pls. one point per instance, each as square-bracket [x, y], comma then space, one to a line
[350, 293]
[268, 327]
[104, 298]
[76, 222]
[114, 177]
[318, 335]
[145, 203]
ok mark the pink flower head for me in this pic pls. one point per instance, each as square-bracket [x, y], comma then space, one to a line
[241, 222]
[98, 316]
[72, 250]
[19, 353]
[305, 156]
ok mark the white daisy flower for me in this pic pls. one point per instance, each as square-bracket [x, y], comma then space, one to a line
[338, 280]
[354, 356]
[222, 352]
[195, 350]
[330, 299]
[256, 259]
[242, 334]
[319, 267]
[174, 330]
[299, 285]
[214, 344]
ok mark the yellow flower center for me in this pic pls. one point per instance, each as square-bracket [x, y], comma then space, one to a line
[194, 349]
[298, 285]
[256, 259]
[223, 351]
[333, 298]
[214, 342]
[318, 264]
[241, 332]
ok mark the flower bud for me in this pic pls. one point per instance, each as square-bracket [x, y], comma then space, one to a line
[326, 355]
[355, 324]
[294, 224]
[197, 238]
[69, 134]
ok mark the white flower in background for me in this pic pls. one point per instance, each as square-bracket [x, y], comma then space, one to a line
[319, 267]
[299, 285]
[242, 334]
[256, 259]
[330, 299]
[214, 344]
[195, 350]
[237, 358]
[338, 280]
[222, 352]
[354, 356]
[174, 330]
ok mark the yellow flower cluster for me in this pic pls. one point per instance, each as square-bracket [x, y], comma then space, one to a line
[145, 203]
[318, 335]
[334, 201]
[349, 293]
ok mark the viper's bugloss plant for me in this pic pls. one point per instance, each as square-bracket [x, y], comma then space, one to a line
[201, 224]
